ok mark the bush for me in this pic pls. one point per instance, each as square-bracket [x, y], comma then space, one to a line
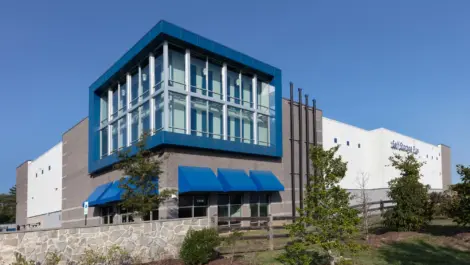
[198, 246]
[413, 209]
[113, 256]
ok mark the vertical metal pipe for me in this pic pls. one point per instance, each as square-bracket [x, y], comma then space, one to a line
[314, 106]
[315, 172]
[301, 175]
[292, 161]
[307, 141]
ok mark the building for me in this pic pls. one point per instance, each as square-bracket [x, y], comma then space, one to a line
[230, 145]
[368, 153]
[39, 190]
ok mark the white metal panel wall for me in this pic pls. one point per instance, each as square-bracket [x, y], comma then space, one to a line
[372, 158]
[45, 183]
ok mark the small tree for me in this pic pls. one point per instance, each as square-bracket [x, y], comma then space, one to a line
[412, 209]
[230, 241]
[142, 170]
[326, 226]
[364, 200]
[460, 208]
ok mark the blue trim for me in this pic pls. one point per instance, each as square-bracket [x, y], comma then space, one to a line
[235, 180]
[165, 28]
[185, 140]
[197, 179]
[266, 181]
[161, 31]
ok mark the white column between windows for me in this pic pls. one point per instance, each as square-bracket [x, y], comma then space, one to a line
[166, 99]
[118, 127]
[140, 110]
[152, 90]
[187, 80]
[110, 110]
[128, 115]
[255, 106]
[224, 97]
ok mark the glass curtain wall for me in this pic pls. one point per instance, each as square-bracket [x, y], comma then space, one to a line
[195, 90]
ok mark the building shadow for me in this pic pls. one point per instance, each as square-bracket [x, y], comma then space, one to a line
[422, 253]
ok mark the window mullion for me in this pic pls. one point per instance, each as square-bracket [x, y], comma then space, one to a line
[166, 111]
[128, 115]
[224, 97]
[110, 109]
[255, 107]
[187, 65]
[151, 91]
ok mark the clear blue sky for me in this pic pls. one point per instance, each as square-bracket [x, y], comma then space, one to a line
[403, 65]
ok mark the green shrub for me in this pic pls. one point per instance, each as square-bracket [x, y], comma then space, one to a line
[21, 260]
[52, 258]
[198, 246]
[113, 256]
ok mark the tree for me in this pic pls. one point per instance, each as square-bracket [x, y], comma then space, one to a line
[327, 225]
[8, 206]
[142, 170]
[364, 201]
[412, 209]
[460, 208]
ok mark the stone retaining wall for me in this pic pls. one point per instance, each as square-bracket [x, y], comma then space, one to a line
[150, 240]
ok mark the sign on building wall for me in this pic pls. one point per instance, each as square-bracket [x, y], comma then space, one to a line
[403, 147]
[85, 208]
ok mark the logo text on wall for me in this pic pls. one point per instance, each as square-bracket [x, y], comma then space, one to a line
[403, 147]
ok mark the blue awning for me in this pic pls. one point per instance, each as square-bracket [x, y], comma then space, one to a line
[197, 179]
[114, 193]
[96, 194]
[266, 181]
[235, 180]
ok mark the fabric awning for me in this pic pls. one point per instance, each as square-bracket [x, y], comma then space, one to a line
[235, 180]
[197, 179]
[114, 193]
[266, 181]
[96, 194]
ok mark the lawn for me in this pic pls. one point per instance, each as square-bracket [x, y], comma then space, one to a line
[441, 243]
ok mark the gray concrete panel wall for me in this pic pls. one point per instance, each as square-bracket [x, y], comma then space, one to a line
[22, 193]
[77, 184]
[446, 166]
[45, 221]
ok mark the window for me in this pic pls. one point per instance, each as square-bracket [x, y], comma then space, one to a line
[135, 93]
[144, 80]
[215, 120]
[36, 175]
[265, 103]
[233, 124]
[230, 205]
[427, 156]
[114, 137]
[127, 215]
[247, 91]
[122, 139]
[122, 98]
[247, 127]
[358, 145]
[176, 70]
[49, 168]
[115, 103]
[233, 87]
[159, 112]
[347, 143]
[215, 81]
[158, 72]
[259, 206]
[177, 107]
[140, 121]
[198, 117]
[264, 130]
[190, 206]
[153, 215]
[104, 107]
[336, 140]
[42, 172]
[107, 215]
[198, 76]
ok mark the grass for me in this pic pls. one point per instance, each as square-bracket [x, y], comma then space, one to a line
[436, 245]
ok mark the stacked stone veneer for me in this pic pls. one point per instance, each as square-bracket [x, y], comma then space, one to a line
[149, 241]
